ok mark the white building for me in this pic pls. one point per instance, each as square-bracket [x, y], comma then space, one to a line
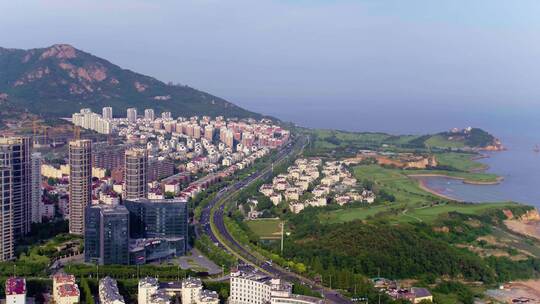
[107, 113]
[253, 288]
[191, 289]
[149, 114]
[86, 119]
[147, 288]
[131, 115]
[166, 115]
[208, 297]
[36, 187]
[108, 292]
[15, 290]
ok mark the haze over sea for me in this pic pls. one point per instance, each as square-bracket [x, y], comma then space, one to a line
[517, 128]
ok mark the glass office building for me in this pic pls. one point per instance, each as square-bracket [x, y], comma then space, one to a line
[106, 239]
[158, 218]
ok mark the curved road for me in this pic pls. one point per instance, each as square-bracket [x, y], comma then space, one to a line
[217, 206]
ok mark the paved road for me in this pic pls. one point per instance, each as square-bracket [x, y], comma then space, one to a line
[238, 248]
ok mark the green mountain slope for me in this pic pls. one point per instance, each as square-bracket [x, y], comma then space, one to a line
[59, 80]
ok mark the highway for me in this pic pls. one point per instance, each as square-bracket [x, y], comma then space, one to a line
[225, 241]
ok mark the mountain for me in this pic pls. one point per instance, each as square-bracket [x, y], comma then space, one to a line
[59, 80]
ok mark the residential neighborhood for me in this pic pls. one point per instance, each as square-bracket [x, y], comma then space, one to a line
[317, 183]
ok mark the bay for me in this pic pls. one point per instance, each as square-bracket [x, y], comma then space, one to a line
[518, 128]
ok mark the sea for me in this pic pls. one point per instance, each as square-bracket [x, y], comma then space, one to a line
[517, 127]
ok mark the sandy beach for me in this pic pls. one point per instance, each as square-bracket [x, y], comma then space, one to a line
[423, 186]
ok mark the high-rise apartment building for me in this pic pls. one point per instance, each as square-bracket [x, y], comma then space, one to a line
[132, 115]
[15, 153]
[6, 214]
[36, 187]
[159, 168]
[149, 114]
[229, 139]
[106, 236]
[107, 113]
[166, 115]
[136, 173]
[80, 183]
[92, 121]
[209, 132]
[108, 157]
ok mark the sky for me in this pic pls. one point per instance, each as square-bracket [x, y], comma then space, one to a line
[342, 63]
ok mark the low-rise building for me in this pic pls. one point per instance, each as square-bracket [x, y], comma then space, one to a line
[276, 198]
[15, 290]
[147, 287]
[108, 292]
[65, 290]
[255, 288]
[296, 207]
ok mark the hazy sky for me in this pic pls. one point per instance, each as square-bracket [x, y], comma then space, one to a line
[350, 55]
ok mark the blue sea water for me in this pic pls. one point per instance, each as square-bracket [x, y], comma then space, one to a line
[518, 128]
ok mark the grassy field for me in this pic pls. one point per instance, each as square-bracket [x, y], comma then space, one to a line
[467, 176]
[442, 142]
[325, 141]
[412, 203]
[460, 161]
[394, 181]
[347, 215]
[429, 214]
[265, 228]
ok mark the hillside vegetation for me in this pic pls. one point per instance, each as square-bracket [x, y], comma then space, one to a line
[59, 80]
[343, 143]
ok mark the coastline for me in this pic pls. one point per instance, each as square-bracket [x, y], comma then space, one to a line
[423, 186]
[463, 179]
[526, 228]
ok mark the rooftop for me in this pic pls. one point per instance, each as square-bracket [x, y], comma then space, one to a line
[108, 290]
[62, 278]
[191, 283]
[15, 286]
[68, 290]
[148, 282]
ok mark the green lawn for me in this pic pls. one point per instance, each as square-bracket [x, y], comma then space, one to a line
[351, 214]
[329, 140]
[442, 142]
[266, 228]
[467, 176]
[460, 161]
[396, 182]
[412, 203]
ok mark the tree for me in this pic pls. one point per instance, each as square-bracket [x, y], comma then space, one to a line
[169, 195]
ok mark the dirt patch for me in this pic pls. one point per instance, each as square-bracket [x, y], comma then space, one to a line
[528, 228]
[519, 290]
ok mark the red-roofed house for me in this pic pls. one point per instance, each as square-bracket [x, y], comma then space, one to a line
[15, 290]
[65, 291]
